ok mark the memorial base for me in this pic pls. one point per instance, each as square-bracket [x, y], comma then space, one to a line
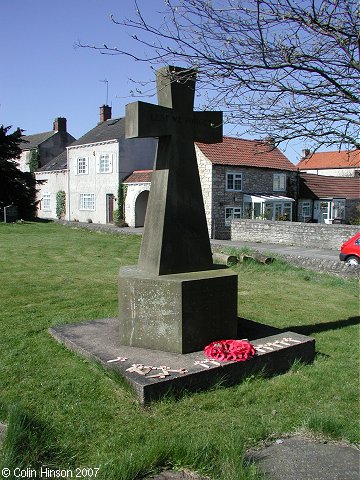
[97, 340]
[179, 313]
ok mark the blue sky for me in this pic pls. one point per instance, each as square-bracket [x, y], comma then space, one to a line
[43, 76]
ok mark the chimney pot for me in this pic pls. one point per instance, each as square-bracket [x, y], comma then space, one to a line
[105, 113]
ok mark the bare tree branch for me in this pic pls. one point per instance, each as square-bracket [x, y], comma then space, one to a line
[287, 69]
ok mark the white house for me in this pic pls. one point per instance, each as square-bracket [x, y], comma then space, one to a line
[39, 149]
[334, 164]
[95, 166]
[54, 176]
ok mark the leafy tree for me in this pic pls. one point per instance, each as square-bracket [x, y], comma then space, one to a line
[287, 69]
[16, 187]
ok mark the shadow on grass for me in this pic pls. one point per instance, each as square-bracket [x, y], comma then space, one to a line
[323, 327]
[255, 330]
[42, 220]
[29, 441]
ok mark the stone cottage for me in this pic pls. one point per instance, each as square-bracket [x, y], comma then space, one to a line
[239, 179]
[325, 199]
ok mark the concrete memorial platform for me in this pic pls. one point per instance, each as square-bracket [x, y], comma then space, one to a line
[153, 373]
[176, 301]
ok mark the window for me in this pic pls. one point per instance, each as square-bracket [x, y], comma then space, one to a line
[87, 201]
[82, 166]
[278, 211]
[232, 213]
[279, 182]
[306, 210]
[234, 181]
[257, 209]
[104, 163]
[46, 201]
[247, 210]
[338, 209]
[286, 211]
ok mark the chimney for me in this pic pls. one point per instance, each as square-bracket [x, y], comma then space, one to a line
[105, 113]
[305, 153]
[271, 142]
[60, 124]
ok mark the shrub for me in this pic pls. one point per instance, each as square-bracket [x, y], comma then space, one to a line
[60, 204]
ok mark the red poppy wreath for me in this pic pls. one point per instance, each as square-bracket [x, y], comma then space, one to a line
[230, 350]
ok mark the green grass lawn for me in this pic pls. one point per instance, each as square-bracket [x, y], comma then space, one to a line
[64, 411]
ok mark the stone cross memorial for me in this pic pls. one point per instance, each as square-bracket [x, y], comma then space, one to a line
[175, 299]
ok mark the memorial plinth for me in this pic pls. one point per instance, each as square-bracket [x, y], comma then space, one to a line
[178, 313]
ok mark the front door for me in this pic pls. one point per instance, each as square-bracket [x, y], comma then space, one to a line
[109, 208]
[322, 211]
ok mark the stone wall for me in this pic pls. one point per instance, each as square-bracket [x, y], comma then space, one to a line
[313, 235]
[205, 173]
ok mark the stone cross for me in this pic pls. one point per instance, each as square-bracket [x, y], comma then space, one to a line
[176, 238]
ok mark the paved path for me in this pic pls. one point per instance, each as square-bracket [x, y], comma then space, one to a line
[280, 249]
[299, 458]
[295, 458]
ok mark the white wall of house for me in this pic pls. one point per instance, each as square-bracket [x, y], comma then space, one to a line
[24, 161]
[132, 194]
[94, 174]
[333, 172]
[54, 181]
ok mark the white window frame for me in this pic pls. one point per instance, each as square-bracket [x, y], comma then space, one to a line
[46, 202]
[279, 182]
[103, 167]
[87, 201]
[82, 166]
[236, 176]
[235, 212]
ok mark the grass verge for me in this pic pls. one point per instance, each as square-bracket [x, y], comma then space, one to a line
[65, 412]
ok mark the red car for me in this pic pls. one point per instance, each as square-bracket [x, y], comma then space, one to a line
[350, 251]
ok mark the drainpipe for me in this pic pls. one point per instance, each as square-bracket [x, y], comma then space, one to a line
[297, 194]
[68, 183]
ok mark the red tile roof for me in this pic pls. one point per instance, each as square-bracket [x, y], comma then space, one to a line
[321, 186]
[139, 176]
[250, 153]
[344, 159]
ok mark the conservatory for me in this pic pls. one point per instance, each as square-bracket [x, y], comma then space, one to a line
[269, 207]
